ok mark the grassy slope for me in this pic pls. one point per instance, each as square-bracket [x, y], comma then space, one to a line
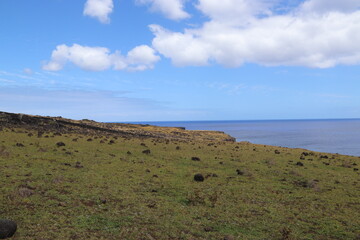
[116, 195]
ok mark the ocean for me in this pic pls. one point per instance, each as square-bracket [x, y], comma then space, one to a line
[333, 136]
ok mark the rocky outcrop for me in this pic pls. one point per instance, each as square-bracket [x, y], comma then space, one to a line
[61, 125]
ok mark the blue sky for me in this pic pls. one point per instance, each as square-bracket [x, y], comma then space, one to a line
[163, 60]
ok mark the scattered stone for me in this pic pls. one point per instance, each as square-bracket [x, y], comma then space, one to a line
[75, 140]
[299, 164]
[195, 159]
[324, 156]
[199, 177]
[7, 228]
[147, 151]
[301, 183]
[20, 145]
[25, 192]
[277, 151]
[128, 153]
[89, 139]
[78, 165]
[356, 169]
[305, 154]
[103, 200]
[111, 142]
[239, 172]
[60, 144]
[151, 205]
[178, 148]
[30, 134]
[208, 229]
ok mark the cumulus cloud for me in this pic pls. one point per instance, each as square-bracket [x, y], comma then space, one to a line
[317, 34]
[234, 11]
[172, 9]
[99, 58]
[100, 9]
[324, 6]
[141, 58]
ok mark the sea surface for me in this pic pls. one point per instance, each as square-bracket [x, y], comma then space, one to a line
[332, 136]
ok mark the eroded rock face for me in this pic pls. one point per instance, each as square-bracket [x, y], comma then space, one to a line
[7, 228]
[61, 126]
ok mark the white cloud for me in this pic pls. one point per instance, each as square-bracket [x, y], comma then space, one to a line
[100, 9]
[141, 58]
[324, 6]
[297, 38]
[172, 9]
[28, 71]
[99, 58]
[234, 11]
[183, 48]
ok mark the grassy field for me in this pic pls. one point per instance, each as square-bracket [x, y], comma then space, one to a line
[102, 186]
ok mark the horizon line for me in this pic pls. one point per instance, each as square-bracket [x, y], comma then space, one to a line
[244, 120]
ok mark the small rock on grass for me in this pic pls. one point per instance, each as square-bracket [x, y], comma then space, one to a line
[60, 144]
[78, 165]
[7, 228]
[199, 177]
[147, 151]
[25, 192]
[239, 172]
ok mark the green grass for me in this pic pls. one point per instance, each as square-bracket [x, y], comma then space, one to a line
[116, 195]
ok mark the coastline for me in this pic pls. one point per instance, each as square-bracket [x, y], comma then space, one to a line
[323, 135]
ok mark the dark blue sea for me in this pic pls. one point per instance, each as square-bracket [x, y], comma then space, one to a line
[332, 136]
